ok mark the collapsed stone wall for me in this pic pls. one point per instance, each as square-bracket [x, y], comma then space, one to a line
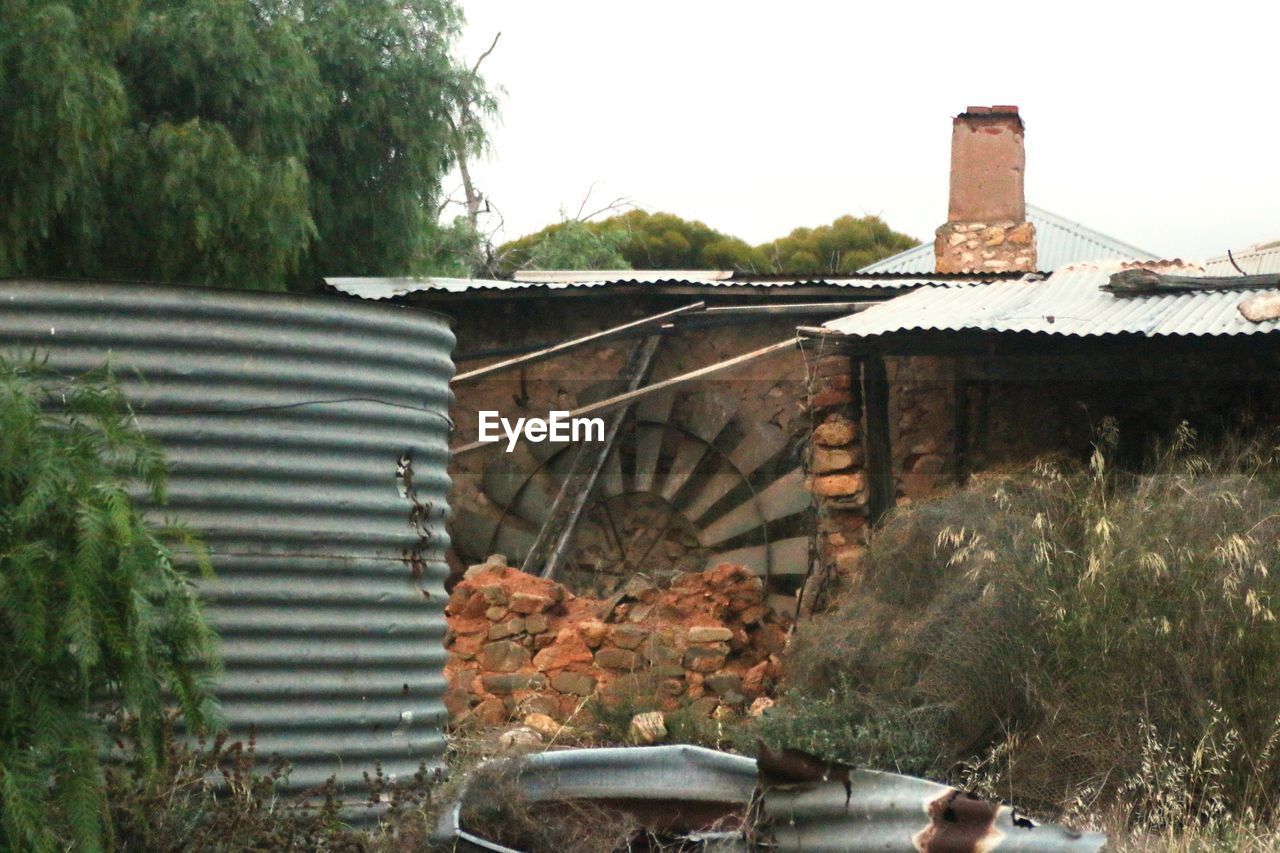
[520, 645]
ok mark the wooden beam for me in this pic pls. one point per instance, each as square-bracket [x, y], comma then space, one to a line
[549, 550]
[1141, 282]
[656, 388]
[576, 343]
[881, 489]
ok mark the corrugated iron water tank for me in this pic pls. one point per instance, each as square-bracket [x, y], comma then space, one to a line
[285, 419]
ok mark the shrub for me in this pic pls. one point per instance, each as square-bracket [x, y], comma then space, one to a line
[1073, 636]
[93, 612]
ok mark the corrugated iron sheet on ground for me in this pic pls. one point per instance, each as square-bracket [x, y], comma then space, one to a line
[886, 811]
[690, 774]
[1059, 242]
[1068, 303]
[283, 418]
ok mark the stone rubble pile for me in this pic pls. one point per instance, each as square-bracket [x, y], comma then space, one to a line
[519, 645]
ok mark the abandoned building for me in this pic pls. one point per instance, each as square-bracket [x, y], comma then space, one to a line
[962, 377]
[740, 465]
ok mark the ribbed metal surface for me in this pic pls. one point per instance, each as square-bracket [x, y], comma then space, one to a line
[886, 811]
[283, 418]
[883, 811]
[395, 288]
[1059, 242]
[1068, 303]
[1256, 261]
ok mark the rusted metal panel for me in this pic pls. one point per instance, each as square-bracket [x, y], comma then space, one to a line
[284, 418]
[883, 811]
[886, 811]
[638, 777]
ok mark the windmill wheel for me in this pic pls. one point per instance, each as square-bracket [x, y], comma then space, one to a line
[688, 484]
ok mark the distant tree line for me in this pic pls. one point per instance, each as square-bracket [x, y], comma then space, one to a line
[646, 241]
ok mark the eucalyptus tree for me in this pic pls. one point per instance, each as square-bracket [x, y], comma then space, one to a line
[255, 144]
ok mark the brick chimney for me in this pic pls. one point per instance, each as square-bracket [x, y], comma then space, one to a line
[987, 228]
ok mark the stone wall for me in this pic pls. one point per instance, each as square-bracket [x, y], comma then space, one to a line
[835, 462]
[985, 247]
[1019, 408]
[519, 645]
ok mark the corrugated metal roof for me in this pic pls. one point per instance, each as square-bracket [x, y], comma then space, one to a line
[393, 288]
[1258, 260]
[638, 276]
[1068, 303]
[1059, 242]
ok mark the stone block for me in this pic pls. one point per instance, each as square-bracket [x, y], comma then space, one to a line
[528, 602]
[836, 485]
[620, 659]
[506, 629]
[503, 656]
[709, 634]
[835, 431]
[576, 683]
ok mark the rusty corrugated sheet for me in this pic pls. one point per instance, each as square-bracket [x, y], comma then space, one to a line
[885, 811]
[1069, 304]
[283, 418]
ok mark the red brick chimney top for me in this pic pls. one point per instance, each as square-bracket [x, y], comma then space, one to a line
[987, 162]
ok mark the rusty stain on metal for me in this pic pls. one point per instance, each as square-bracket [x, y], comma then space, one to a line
[959, 822]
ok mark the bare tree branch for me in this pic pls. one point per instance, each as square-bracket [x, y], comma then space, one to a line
[476, 68]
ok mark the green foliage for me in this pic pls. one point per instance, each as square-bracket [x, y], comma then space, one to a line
[650, 241]
[844, 724]
[1086, 635]
[240, 144]
[843, 247]
[573, 245]
[93, 611]
[456, 250]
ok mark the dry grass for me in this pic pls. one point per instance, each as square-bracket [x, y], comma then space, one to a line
[1080, 640]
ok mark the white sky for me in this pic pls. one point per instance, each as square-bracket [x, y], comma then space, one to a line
[1155, 123]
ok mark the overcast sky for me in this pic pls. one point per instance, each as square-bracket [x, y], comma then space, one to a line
[1155, 125]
